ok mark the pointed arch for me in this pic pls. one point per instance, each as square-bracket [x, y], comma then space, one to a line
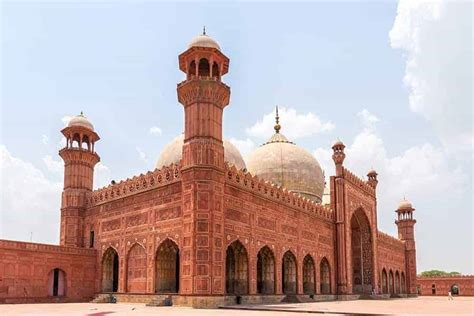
[110, 270]
[403, 285]
[289, 273]
[192, 68]
[266, 271]
[236, 266]
[215, 70]
[136, 269]
[325, 276]
[397, 282]
[167, 267]
[390, 282]
[361, 252]
[204, 68]
[384, 281]
[309, 275]
[57, 282]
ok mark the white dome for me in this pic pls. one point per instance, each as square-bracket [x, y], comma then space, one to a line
[204, 41]
[81, 120]
[173, 152]
[292, 167]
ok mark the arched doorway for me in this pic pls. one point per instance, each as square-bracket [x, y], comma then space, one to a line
[236, 267]
[397, 282]
[403, 286]
[288, 273]
[455, 289]
[361, 250]
[167, 268]
[384, 282]
[110, 269]
[136, 269]
[309, 276]
[57, 282]
[325, 276]
[265, 271]
[390, 282]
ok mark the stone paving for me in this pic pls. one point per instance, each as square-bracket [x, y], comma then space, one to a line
[414, 306]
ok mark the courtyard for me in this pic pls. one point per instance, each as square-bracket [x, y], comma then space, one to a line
[413, 306]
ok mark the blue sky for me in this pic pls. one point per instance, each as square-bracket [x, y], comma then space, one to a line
[380, 73]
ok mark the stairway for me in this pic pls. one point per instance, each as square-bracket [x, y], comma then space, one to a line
[161, 300]
[102, 298]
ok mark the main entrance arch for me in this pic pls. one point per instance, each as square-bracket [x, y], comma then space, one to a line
[167, 268]
[110, 269]
[236, 267]
[361, 251]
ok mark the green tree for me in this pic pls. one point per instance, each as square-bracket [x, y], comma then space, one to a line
[435, 273]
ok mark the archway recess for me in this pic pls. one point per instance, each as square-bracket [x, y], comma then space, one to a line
[361, 251]
[236, 266]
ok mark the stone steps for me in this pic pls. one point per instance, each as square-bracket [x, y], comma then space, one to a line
[161, 300]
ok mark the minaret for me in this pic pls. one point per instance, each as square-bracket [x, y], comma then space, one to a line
[337, 201]
[406, 233]
[79, 161]
[204, 97]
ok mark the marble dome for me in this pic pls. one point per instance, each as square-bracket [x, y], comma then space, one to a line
[173, 152]
[81, 120]
[204, 40]
[405, 205]
[292, 167]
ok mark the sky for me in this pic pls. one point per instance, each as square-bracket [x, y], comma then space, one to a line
[392, 80]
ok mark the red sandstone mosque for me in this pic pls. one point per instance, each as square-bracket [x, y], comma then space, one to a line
[206, 226]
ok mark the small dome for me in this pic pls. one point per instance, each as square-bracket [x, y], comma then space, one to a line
[204, 41]
[292, 167]
[372, 172]
[405, 205]
[338, 143]
[173, 152]
[81, 120]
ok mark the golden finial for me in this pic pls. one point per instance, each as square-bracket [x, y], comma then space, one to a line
[204, 30]
[277, 126]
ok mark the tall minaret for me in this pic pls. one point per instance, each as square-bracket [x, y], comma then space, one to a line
[406, 232]
[337, 201]
[204, 97]
[79, 161]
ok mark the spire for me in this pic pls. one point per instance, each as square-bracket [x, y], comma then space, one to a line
[277, 126]
[204, 30]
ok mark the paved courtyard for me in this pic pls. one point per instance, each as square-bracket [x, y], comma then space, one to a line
[415, 306]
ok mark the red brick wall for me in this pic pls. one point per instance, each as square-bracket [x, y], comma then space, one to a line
[25, 271]
[442, 285]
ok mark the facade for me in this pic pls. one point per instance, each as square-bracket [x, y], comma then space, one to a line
[462, 285]
[207, 226]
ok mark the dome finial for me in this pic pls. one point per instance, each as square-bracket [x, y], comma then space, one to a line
[277, 126]
[82, 113]
[204, 30]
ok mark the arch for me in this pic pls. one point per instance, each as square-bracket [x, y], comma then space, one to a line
[384, 282]
[204, 68]
[110, 270]
[192, 68]
[309, 275]
[361, 251]
[403, 285]
[136, 269]
[167, 267]
[215, 70]
[265, 271]
[454, 289]
[390, 282]
[288, 273]
[236, 268]
[76, 141]
[57, 282]
[397, 282]
[325, 276]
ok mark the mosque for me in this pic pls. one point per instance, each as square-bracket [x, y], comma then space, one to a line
[208, 228]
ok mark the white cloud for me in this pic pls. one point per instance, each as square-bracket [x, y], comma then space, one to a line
[142, 155]
[368, 119]
[44, 139]
[28, 201]
[419, 172]
[437, 38]
[245, 146]
[102, 175]
[55, 166]
[293, 125]
[155, 130]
